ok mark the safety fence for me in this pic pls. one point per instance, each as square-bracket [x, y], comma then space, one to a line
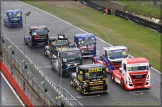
[50, 92]
[138, 20]
[29, 92]
[149, 3]
[122, 14]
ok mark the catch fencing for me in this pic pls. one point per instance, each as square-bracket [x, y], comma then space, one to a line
[50, 92]
[149, 3]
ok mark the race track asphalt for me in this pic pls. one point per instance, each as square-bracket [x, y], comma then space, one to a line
[117, 96]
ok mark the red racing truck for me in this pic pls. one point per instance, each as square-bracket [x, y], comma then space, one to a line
[133, 74]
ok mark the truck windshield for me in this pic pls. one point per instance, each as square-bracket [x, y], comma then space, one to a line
[62, 42]
[14, 15]
[91, 75]
[41, 32]
[72, 55]
[86, 41]
[138, 68]
[120, 53]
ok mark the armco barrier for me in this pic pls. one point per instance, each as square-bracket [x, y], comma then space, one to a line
[124, 15]
[139, 20]
[50, 92]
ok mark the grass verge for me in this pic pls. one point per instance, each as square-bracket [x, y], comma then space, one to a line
[141, 41]
[145, 10]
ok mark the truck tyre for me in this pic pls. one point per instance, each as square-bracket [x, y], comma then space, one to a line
[112, 77]
[122, 84]
[45, 53]
[72, 82]
[80, 90]
[93, 61]
[30, 45]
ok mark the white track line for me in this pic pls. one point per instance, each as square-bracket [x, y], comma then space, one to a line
[76, 27]
[13, 90]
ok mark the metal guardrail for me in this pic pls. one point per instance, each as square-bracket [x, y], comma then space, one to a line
[22, 83]
[57, 94]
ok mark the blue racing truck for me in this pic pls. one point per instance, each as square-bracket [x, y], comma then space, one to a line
[86, 42]
[14, 18]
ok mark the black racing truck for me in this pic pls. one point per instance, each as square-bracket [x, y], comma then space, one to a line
[55, 44]
[90, 78]
[66, 61]
[38, 36]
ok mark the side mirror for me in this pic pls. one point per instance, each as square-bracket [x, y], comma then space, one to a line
[64, 60]
[81, 73]
[120, 69]
[48, 30]
[149, 65]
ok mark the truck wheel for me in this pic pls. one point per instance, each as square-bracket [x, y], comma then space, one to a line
[58, 72]
[93, 61]
[45, 53]
[30, 45]
[122, 84]
[72, 82]
[80, 90]
[52, 67]
[112, 77]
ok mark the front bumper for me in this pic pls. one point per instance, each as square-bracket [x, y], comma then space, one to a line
[137, 87]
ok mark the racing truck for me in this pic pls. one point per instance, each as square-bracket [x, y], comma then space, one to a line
[55, 44]
[66, 61]
[86, 42]
[90, 79]
[38, 36]
[112, 57]
[14, 18]
[133, 74]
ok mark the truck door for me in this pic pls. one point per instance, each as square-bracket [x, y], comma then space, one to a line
[124, 71]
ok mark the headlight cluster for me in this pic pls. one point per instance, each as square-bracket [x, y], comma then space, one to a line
[85, 84]
[106, 81]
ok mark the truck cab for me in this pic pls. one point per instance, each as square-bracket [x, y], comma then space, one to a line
[14, 18]
[112, 57]
[90, 79]
[66, 61]
[55, 45]
[86, 42]
[133, 74]
[38, 36]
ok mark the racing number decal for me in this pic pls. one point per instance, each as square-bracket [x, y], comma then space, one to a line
[87, 74]
[18, 14]
[123, 53]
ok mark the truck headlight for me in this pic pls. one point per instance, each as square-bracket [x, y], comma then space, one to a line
[85, 84]
[106, 81]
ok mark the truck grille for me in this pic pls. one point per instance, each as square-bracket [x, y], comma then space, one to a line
[96, 88]
[140, 84]
[116, 62]
[138, 76]
[15, 21]
[96, 83]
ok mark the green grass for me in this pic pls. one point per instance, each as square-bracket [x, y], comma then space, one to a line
[145, 10]
[141, 42]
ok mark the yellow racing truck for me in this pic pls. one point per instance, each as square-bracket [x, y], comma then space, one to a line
[90, 78]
